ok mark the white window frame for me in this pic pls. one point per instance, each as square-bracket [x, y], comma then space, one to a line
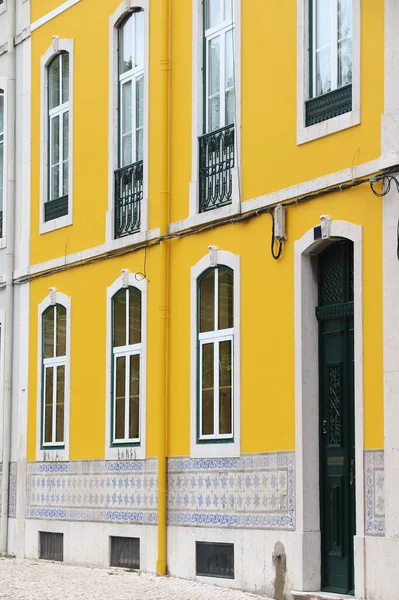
[58, 111]
[202, 446]
[128, 449]
[58, 45]
[345, 121]
[116, 19]
[53, 453]
[195, 217]
[3, 89]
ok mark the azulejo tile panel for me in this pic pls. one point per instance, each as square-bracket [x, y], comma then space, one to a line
[253, 491]
[374, 491]
[12, 489]
[104, 491]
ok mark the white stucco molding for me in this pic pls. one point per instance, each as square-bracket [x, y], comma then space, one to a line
[231, 448]
[137, 452]
[52, 14]
[307, 401]
[58, 45]
[123, 10]
[2, 361]
[62, 454]
[307, 134]
[4, 86]
[198, 105]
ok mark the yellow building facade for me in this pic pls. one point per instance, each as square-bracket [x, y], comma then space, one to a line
[208, 312]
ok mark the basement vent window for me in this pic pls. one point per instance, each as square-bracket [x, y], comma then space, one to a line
[51, 546]
[125, 552]
[215, 560]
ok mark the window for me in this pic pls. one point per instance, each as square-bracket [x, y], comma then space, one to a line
[215, 559]
[129, 175]
[331, 60]
[2, 157]
[216, 146]
[51, 546]
[54, 351]
[126, 366]
[125, 552]
[58, 134]
[215, 350]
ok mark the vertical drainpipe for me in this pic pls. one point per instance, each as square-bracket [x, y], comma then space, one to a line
[163, 101]
[9, 210]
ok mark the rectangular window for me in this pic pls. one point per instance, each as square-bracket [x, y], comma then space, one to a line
[2, 119]
[331, 60]
[126, 355]
[51, 546]
[125, 552]
[216, 146]
[53, 375]
[215, 349]
[215, 559]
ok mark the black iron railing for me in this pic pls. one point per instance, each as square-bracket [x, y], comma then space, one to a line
[216, 162]
[128, 199]
[54, 209]
[329, 105]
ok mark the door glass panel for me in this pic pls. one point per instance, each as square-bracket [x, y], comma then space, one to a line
[213, 13]
[228, 10]
[344, 19]
[229, 78]
[134, 316]
[134, 397]
[120, 319]
[65, 152]
[55, 157]
[323, 47]
[126, 46]
[139, 117]
[214, 83]
[226, 280]
[344, 62]
[207, 302]
[120, 375]
[60, 404]
[54, 83]
[48, 405]
[139, 39]
[225, 387]
[61, 331]
[65, 77]
[207, 389]
[48, 333]
[334, 395]
[127, 100]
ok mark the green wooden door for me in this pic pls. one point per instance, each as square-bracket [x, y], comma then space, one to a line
[337, 428]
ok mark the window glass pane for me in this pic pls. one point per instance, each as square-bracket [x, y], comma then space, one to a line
[59, 436]
[213, 13]
[120, 374]
[127, 108]
[126, 46]
[65, 152]
[1, 175]
[323, 46]
[207, 388]
[225, 388]
[55, 157]
[134, 398]
[1, 115]
[139, 39]
[344, 62]
[139, 117]
[228, 10]
[214, 83]
[207, 302]
[134, 316]
[48, 404]
[323, 71]
[229, 79]
[225, 308]
[54, 83]
[344, 19]
[65, 76]
[48, 333]
[61, 330]
[120, 319]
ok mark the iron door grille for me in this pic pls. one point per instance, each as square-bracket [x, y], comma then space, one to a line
[215, 559]
[125, 552]
[51, 546]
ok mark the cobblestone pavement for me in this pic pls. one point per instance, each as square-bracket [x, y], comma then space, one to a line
[32, 580]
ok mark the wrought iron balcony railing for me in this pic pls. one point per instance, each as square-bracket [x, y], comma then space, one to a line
[128, 199]
[54, 209]
[216, 162]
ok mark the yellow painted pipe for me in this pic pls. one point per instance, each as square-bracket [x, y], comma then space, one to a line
[163, 178]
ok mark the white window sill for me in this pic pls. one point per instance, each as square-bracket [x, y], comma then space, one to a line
[52, 455]
[220, 450]
[133, 239]
[125, 453]
[320, 130]
[54, 224]
[207, 217]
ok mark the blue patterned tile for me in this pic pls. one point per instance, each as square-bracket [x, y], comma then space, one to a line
[374, 492]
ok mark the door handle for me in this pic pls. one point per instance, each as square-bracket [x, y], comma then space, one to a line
[324, 426]
[351, 473]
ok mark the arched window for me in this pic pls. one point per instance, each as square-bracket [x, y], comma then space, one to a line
[126, 365]
[215, 317]
[54, 362]
[1, 158]
[131, 89]
[58, 135]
